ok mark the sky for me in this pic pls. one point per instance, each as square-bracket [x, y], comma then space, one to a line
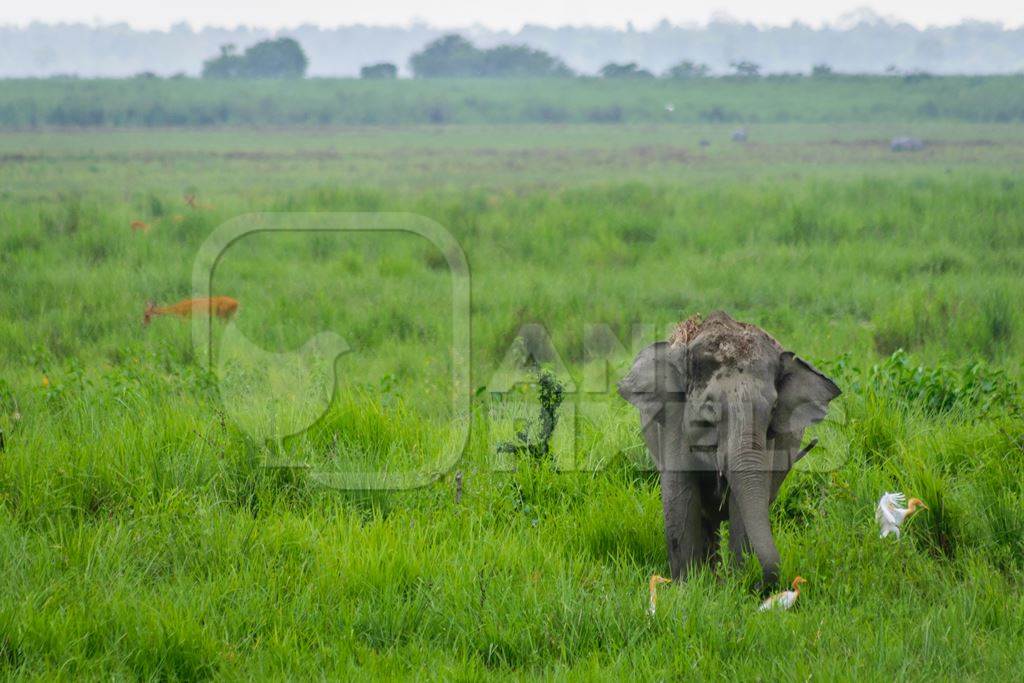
[147, 14]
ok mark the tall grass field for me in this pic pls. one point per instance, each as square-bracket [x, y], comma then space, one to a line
[147, 533]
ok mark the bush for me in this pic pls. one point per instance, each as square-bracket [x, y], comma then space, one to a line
[686, 70]
[976, 389]
[746, 69]
[631, 70]
[384, 71]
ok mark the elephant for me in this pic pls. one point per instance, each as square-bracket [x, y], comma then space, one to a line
[723, 409]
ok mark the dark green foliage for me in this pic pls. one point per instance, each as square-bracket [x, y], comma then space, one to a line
[630, 70]
[384, 70]
[973, 390]
[453, 56]
[280, 58]
[746, 69]
[687, 69]
[535, 439]
[520, 61]
[229, 64]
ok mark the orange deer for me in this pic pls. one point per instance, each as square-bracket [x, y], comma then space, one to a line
[221, 306]
[140, 226]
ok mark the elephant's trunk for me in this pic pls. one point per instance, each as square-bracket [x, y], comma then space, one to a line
[749, 475]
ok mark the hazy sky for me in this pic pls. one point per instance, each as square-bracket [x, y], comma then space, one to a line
[643, 13]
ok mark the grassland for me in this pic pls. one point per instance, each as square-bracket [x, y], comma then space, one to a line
[63, 102]
[142, 537]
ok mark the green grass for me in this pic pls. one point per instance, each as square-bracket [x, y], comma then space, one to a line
[142, 537]
[64, 102]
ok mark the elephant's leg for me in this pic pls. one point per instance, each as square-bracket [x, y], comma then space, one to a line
[684, 529]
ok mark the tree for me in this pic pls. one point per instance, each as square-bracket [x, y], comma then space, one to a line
[631, 70]
[281, 58]
[821, 71]
[520, 60]
[746, 69]
[455, 57]
[687, 69]
[448, 56]
[384, 70]
[227, 65]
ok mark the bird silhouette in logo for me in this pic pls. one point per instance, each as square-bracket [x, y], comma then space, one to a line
[272, 395]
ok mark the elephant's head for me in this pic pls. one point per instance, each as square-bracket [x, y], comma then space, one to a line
[724, 396]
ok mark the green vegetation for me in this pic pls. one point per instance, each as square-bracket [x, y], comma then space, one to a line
[384, 70]
[313, 102]
[142, 537]
[453, 56]
[280, 58]
[630, 70]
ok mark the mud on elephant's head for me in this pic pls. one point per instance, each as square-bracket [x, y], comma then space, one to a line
[723, 395]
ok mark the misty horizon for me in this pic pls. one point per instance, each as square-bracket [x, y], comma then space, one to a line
[860, 41]
[453, 15]
[843, 21]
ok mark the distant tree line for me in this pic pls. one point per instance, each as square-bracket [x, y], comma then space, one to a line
[453, 56]
[861, 43]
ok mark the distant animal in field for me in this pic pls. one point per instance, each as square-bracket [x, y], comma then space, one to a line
[785, 599]
[890, 516]
[906, 144]
[723, 408]
[669, 107]
[705, 143]
[140, 226]
[271, 395]
[739, 135]
[224, 307]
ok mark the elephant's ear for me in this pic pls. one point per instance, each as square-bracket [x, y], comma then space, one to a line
[655, 386]
[803, 396]
[655, 379]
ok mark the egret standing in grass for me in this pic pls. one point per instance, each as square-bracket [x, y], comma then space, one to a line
[890, 515]
[653, 586]
[785, 599]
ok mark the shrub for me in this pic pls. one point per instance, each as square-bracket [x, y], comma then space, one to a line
[975, 389]
[631, 70]
[383, 71]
